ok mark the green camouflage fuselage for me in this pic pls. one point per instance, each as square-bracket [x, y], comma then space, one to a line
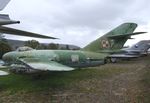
[66, 57]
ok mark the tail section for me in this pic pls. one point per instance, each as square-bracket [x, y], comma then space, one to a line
[113, 40]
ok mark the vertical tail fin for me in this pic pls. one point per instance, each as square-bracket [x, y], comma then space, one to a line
[115, 39]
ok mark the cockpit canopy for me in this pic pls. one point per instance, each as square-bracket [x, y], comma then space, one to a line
[24, 48]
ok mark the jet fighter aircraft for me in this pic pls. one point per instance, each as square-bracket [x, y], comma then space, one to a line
[137, 50]
[27, 60]
[5, 20]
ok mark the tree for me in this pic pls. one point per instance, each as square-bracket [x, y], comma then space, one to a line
[53, 46]
[42, 46]
[32, 43]
[4, 48]
[67, 47]
[2, 38]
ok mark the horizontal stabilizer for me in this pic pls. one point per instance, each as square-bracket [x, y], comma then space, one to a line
[124, 35]
[18, 32]
[37, 64]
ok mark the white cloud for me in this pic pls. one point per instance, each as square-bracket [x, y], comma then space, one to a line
[78, 21]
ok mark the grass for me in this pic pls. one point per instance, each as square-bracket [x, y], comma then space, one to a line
[53, 80]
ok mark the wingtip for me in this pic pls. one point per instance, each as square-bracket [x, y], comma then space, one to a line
[18, 22]
[49, 37]
[145, 32]
[141, 32]
[57, 38]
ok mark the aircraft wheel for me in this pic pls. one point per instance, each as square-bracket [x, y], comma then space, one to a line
[107, 60]
[113, 60]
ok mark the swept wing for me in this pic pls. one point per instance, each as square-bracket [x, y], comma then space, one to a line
[18, 32]
[5, 20]
[43, 65]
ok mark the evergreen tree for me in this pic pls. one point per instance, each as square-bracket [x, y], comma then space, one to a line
[4, 48]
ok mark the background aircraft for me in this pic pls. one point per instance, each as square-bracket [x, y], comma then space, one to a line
[27, 60]
[137, 50]
[3, 4]
[5, 20]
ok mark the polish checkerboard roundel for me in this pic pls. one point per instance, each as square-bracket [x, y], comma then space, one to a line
[105, 43]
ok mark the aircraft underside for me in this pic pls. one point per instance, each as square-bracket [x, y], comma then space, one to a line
[22, 68]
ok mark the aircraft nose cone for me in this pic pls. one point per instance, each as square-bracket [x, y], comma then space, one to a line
[7, 57]
[3, 73]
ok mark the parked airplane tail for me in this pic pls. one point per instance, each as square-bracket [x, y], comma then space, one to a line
[113, 40]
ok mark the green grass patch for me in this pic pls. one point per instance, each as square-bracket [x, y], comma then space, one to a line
[54, 80]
